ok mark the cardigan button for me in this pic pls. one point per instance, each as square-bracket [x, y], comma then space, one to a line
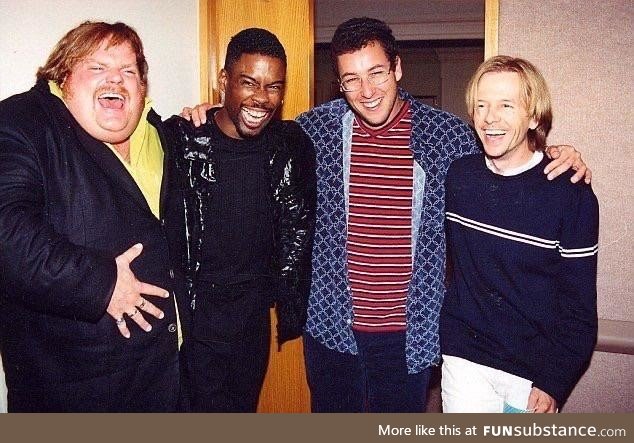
[171, 327]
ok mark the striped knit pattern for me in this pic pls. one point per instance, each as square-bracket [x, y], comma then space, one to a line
[522, 238]
[380, 224]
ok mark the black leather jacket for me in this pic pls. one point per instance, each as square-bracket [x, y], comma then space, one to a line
[292, 193]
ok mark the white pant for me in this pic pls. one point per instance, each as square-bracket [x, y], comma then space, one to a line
[470, 387]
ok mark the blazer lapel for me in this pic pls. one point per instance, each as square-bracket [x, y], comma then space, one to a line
[155, 120]
[111, 166]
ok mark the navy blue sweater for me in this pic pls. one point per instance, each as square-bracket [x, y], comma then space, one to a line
[522, 291]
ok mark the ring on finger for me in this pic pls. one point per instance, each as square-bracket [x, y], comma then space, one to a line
[142, 305]
[120, 321]
[136, 311]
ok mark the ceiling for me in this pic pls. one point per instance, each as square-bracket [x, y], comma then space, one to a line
[409, 19]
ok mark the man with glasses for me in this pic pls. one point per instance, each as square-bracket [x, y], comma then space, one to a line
[379, 249]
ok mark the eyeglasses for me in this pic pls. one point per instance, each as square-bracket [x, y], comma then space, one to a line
[375, 78]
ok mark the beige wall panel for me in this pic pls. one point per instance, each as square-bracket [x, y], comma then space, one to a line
[285, 388]
[606, 386]
[584, 49]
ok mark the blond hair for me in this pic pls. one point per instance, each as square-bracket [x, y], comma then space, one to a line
[533, 92]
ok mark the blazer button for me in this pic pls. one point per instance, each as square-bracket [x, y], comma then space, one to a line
[172, 327]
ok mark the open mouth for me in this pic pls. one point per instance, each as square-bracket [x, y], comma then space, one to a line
[253, 117]
[111, 100]
[373, 104]
[494, 133]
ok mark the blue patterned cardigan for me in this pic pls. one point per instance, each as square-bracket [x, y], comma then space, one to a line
[437, 139]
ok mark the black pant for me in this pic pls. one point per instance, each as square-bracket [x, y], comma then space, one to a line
[225, 356]
[375, 380]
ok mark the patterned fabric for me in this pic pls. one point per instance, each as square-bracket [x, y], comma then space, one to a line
[380, 223]
[437, 139]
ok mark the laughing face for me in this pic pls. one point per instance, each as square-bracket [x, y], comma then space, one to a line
[376, 105]
[254, 90]
[501, 119]
[105, 94]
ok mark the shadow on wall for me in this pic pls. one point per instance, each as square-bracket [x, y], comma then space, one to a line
[3, 391]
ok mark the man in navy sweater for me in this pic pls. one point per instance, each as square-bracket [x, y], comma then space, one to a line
[519, 321]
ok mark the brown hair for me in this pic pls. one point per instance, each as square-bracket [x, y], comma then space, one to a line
[82, 41]
[534, 93]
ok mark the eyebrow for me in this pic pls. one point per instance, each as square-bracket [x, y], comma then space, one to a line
[248, 77]
[94, 60]
[370, 69]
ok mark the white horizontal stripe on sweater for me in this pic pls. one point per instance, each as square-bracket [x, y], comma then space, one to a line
[398, 217]
[380, 255]
[357, 194]
[363, 225]
[377, 283]
[390, 156]
[381, 235]
[579, 252]
[363, 205]
[380, 324]
[523, 238]
[392, 177]
[365, 185]
[377, 274]
[356, 315]
[374, 165]
[504, 233]
[375, 265]
[378, 246]
[374, 300]
[366, 291]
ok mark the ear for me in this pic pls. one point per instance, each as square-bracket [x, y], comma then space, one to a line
[222, 80]
[398, 72]
[533, 124]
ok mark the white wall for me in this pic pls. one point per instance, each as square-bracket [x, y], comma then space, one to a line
[169, 29]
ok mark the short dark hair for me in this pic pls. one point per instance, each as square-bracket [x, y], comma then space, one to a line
[357, 33]
[253, 41]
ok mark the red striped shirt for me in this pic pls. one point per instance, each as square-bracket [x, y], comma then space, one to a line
[380, 223]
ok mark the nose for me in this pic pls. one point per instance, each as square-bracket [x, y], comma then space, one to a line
[491, 115]
[114, 76]
[367, 89]
[260, 96]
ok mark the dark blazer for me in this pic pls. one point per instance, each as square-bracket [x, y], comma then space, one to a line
[68, 207]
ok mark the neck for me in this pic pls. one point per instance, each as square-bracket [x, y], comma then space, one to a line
[494, 165]
[225, 124]
[123, 149]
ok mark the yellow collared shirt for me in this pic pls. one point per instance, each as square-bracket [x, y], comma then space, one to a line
[146, 156]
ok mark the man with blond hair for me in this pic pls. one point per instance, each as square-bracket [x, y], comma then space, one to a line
[519, 322]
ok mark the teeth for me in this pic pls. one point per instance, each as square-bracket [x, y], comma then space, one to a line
[254, 113]
[373, 103]
[111, 96]
[494, 132]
